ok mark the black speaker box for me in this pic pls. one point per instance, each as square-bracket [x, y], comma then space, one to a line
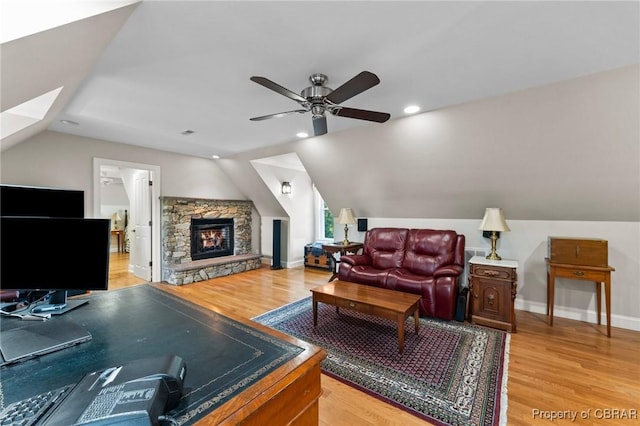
[362, 225]
[461, 304]
[277, 244]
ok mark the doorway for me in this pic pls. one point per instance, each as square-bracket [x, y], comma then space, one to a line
[141, 183]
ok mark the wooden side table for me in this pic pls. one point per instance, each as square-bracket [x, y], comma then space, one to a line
[333, 248]
[119, 233]
[493, 288]
[585, 273]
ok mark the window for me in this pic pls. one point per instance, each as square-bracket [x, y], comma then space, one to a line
[328, 221]
[323, 218]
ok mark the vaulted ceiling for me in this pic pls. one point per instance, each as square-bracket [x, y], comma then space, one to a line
[143, 73]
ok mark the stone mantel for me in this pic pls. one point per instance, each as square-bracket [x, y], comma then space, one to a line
[206, 200]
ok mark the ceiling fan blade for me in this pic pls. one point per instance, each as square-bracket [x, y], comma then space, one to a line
[358, 84]
[362, 114]
[277, 88]
[319, 125]
[278, 115]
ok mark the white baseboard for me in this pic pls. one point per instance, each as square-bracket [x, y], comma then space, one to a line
[267, 260]
[294, 263]
[621, 321]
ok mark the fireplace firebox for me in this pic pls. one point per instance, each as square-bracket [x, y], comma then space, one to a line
[211, 238]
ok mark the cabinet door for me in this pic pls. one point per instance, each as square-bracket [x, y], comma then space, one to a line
[491, 299]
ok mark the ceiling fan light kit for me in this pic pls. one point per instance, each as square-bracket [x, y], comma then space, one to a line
[319, 99]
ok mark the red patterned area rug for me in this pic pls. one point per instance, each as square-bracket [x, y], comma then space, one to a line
[449, 374]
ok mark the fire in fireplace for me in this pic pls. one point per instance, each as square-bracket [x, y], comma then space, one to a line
[211, 238]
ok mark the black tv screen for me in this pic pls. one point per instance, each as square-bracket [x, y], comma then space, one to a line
[54, 253]
[40, 201]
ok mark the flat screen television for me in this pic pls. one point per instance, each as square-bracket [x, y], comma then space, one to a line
[54, 254]
[18, 200]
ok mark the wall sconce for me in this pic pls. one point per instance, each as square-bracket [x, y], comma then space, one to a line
[286, 187]
[494, 221]
[346, 218]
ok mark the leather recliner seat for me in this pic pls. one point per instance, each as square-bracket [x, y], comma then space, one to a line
[427, 262]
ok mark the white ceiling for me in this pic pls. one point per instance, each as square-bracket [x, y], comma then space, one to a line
[177, 65]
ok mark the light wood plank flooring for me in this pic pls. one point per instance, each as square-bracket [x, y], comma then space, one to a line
[571, 366]
[119, 275]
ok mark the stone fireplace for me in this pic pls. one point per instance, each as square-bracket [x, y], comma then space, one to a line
[222, 231]
[211, 238]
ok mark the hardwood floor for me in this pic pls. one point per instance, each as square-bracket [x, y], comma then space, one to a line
[119, 275]
[569, 368]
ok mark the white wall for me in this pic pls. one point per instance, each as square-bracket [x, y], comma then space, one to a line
[298, 205]
[566, 151]
[527, 244]
[66, 161]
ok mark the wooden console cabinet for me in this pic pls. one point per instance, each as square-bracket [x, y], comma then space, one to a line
[493, 289]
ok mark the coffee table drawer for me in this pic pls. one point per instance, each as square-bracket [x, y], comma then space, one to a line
[355, 306]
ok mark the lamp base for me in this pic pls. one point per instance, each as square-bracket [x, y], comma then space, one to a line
[346, 242]
[493, 256]
[494, 239]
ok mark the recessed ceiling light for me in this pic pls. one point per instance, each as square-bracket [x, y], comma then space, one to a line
[215, 157]
[302, 134]
[411, 109]
[74, 123]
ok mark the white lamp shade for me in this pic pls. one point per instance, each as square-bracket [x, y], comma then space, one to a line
[346, 217]
[116, 216]
[493, 220]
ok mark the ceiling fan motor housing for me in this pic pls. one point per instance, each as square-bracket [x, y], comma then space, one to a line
[312, 93]
[316, 94]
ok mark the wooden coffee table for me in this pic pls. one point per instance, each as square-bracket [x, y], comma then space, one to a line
[379, 302]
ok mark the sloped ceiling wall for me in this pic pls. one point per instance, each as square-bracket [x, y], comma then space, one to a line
[567, 151]
[59, 57]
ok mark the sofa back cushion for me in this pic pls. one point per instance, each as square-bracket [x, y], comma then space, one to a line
[428, 250]
[385, 246]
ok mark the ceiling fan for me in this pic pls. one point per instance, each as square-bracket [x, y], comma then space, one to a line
[320, 99]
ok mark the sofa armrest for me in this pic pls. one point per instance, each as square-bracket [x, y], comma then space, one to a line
[445, 271]
[356, 259]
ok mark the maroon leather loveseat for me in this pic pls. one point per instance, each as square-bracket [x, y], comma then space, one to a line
[421, 261]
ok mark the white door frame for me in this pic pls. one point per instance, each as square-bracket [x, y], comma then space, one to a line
[156, 243]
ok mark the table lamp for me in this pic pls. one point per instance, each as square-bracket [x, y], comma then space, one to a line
[346, 218]
[115, 218]
[494, 221]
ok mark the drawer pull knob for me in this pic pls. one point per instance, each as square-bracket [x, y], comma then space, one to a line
[578, 273]
[491, 297]
[491, 273]
[352, 305]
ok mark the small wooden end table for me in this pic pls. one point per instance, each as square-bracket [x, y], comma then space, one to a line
[492, 292]
[380, 302]
[119, 233]
[343, 249]
[596, 274]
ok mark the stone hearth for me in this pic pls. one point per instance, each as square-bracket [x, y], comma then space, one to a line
[177, 265]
